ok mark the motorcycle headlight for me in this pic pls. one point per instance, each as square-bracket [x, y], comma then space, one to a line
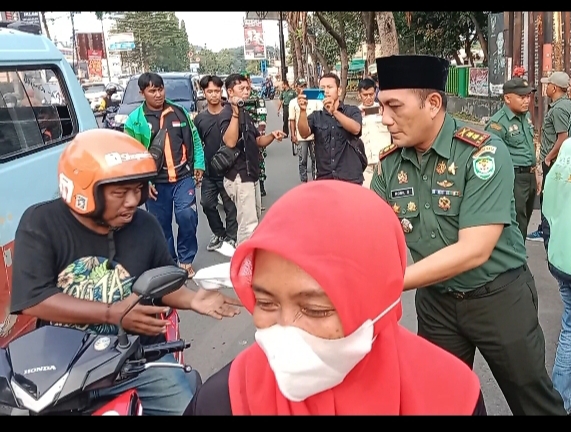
[120, 118]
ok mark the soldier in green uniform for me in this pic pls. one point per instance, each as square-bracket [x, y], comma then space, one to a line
[259, 114]
[512, 123]
[287, 95]
[451, 186]
[554, 131]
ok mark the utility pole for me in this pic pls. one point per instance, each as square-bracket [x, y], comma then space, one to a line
[282, 48]
[557, 42]
[73, 47]
[105, 50]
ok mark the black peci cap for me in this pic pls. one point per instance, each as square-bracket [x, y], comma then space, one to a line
[412, 72]
[518, 86]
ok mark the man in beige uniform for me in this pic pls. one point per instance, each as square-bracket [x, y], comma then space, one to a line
[375, 135]
[306, 146]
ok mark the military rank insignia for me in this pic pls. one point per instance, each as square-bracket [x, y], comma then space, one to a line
[471, 136]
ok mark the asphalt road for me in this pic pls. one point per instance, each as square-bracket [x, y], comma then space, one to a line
[215, 343]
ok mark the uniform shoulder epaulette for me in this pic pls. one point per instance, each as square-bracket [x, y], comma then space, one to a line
[471, 136]
[387, 151]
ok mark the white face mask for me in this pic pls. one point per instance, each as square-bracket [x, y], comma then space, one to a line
[305, 365]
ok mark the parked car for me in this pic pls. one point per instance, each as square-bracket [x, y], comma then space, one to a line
[178, 88]
[257, 83]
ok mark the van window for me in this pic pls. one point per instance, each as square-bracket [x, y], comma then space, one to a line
[176, 89]
[35, 112]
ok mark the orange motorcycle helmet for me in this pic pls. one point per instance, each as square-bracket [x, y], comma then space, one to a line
[100, 157]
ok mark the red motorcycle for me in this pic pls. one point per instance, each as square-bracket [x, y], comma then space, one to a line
[53, 370]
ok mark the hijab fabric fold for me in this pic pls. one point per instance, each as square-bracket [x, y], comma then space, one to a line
[352, 244]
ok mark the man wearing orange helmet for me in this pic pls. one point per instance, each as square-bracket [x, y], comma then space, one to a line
[76, 258]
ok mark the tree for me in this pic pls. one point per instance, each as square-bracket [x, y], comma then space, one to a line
[370, 33]
[347, 30]
[443, 33]
[388, 37]
[161, 42]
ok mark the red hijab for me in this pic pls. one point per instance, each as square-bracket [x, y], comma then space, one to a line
[352, 244]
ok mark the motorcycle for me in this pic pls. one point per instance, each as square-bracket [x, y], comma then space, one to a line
[109, 118]
[272, 93]
[53, 370]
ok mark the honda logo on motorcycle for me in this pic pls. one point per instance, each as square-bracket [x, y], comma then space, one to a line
[39, 369]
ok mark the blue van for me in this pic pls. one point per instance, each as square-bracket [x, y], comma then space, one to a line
[42, 107]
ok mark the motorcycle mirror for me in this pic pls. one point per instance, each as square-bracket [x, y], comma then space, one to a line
[160, 282]
[153, 284]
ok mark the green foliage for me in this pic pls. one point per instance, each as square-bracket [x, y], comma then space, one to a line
[439, 33]
[347, 24]
[229, 60]
[161, 40]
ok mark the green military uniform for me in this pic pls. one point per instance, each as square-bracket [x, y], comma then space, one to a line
[516, 130]
[457, 184]
[286, 97]
[465, 180]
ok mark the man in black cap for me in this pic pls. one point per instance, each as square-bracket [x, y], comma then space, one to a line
[451, 186]
[512, 123]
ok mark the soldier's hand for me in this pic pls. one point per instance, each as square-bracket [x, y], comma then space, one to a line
[278, 135]
[538, 182]
[302, 101]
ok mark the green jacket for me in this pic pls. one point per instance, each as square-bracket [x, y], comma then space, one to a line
[137, 127]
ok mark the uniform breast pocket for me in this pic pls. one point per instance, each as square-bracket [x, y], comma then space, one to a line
[516, 139]
[406, 209]
[446, 205]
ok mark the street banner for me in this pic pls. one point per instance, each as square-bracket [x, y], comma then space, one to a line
[254, 46]
[95, 66]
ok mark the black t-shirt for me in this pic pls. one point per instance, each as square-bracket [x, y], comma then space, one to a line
[55, 253]
[248, 162]
[213, 398]
[208, 127]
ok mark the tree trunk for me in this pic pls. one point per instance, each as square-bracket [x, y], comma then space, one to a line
[296, 16]
[320, 57]
[45, 23]
[458, 59]
[387, 33]
[369, 23]
[341, 40]
[290, 18]
[344, 71]
[481, 37]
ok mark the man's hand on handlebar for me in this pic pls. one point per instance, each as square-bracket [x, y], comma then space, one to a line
[141, 319]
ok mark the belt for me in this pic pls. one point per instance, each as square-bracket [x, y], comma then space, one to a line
[499, 282]
[524, 170]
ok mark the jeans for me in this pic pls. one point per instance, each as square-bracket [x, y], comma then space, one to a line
[211, 188]
[182, 196]
[248, 200]
[561, 376]
[163, 391]
[306, 148]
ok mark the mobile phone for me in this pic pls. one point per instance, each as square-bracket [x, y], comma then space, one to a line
[371, 111]
[314, 94]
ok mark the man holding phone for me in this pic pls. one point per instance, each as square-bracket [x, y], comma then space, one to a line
[333, 129]
[375, 134]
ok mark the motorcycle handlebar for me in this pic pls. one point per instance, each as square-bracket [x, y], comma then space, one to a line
[161, 349]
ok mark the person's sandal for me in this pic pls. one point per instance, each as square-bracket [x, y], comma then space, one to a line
[189, 269]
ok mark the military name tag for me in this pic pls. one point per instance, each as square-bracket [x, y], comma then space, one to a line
[404, 192]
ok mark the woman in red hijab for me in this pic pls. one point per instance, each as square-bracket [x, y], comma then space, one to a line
[322, 276]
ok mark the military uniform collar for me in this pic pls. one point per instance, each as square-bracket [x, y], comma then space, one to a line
[508, 112]
[442, 144]
[552, 104]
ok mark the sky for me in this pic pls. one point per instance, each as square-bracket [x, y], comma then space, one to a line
[228, 27]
